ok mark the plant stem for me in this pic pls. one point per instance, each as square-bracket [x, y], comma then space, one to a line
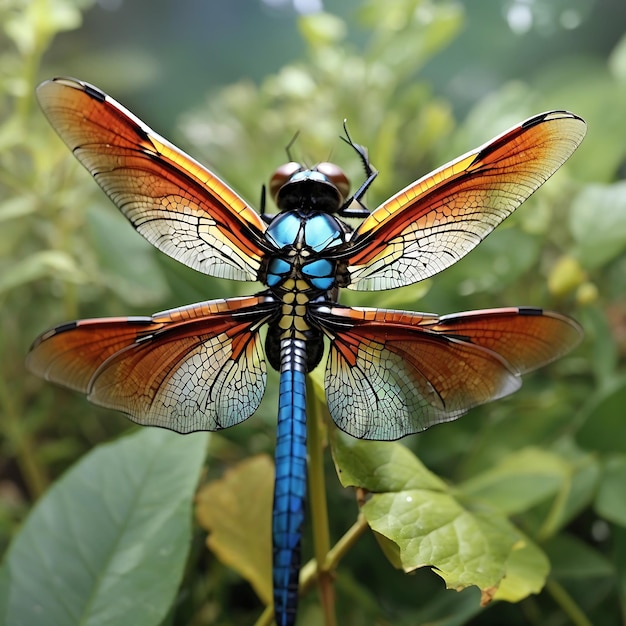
[346, 542]
[267, 617]
[566, 602]
[21, 441]
[551, 523]
[319, 508]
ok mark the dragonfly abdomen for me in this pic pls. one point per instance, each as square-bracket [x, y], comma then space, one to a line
[290, 484]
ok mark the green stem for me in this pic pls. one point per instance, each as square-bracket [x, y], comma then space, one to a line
[32, 62]
[551, 523]
[22, 444]
[319, 508]
[343, 546]
[267, 617]
[310, 572]
[567, 604]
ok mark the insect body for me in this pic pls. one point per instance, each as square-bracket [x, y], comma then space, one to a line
[389, 373]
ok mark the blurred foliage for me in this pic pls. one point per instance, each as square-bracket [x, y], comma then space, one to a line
[65, 252]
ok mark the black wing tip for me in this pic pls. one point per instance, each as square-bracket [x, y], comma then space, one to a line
[556, 114]
[61, 328]
[530, 311]
[74, 83]
[574, 326]
[548, 116]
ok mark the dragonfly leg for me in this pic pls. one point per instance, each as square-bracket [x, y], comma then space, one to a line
[370, 175]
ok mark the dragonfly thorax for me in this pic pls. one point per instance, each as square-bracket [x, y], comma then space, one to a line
[300, 271]
[301, 240]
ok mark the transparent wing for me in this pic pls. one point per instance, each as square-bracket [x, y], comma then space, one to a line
[199, 367]
[390, 373]
[438, 219]
[177, 204]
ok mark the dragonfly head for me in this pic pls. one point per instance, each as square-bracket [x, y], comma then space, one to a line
[324, 186]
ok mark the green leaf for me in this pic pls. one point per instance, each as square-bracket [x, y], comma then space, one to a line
[322, 29]
[38, 21]
[236, 511]
[603, 349]
[581, 486]
[527, 569]
[16, 207]
[610, 501]
[598, 223]
[617, 60]
[108, 543]
[380, 466]
[47, 263]
[129, 264]
[502, 259]
[571, 558]
[425, 528]
[520, 481]
[604, 419]
[419, 522]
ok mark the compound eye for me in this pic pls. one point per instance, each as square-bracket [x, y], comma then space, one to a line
[336, 176]
[282, 176]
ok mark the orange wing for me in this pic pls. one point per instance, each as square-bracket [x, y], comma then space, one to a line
[199, 367]
[174, 202]
[438, 219]
[393, 373]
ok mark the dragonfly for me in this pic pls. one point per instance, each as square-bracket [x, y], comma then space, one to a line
[388, 374]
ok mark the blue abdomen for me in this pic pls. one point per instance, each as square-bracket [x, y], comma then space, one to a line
[290, 484]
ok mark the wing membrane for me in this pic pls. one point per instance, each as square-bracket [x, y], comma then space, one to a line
[199, 367]
[391, 373]
[438, 219]
[174, 202]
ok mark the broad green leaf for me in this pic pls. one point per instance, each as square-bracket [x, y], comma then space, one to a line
[446, 609]
[236, 511]
[47, 263]
[380, 466]
[581, 486]
[611, 500]
[598, 223]
[520, 481]
[129, 265]
[419, 522]
[603, 351]
[426, 528]
[526, 571]
[501, 260]
[604, 420]
[571, 558]
[16, 207]
[108, 543]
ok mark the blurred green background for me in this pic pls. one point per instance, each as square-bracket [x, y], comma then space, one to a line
[419, 82]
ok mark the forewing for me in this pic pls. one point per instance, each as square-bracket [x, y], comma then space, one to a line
[438, 219]
[174, 202]
[199, 367]
[390, 374]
